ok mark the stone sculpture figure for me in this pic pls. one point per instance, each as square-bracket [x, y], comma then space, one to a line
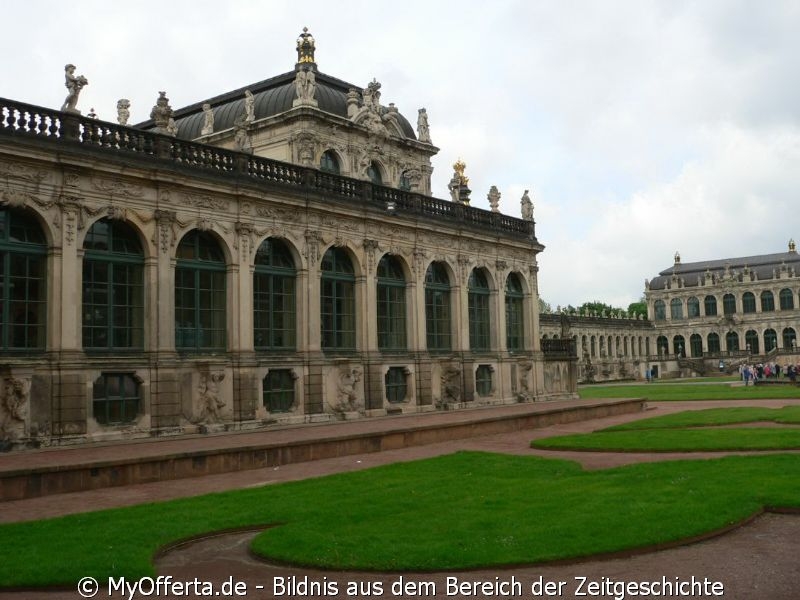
[423, 131]
[74, 86]
[526, 207]
[494, 198]
[305, 87]
[249, 106]
[241, 139]
[347, 391]
[451, 384]
[123, 111]
[211, 403]
[208, 120]
[161, 113]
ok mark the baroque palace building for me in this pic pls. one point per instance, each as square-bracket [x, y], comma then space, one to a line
[270, 255]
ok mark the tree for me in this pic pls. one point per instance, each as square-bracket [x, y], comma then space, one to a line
[638, 308]
[544, 307]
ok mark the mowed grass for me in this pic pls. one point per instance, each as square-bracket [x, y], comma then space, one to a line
[689, 391]
[691, 431]
[452, 512]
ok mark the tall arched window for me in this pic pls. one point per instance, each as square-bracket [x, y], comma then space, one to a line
[676, 309]
[391, 304]
[329, 163]
[711, 306]
[200, 310]
[515, 320]
[751, 341]
[692, 307]
[786, 299]
[767, 301]
[374, 173]
[478, 306]
[337, 300]
[770, 340]
[662, 345]
[729, 304]
[437, 308]
[23, 260]
[732, 341]
[789, 337]
[696, 345]
[274, 299]
[660, 309]
[679, 345]
[713, 343]
[748, 303]
[113, 287]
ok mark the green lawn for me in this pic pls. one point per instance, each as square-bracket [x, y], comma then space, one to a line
[452, 512]
[691, 431]
[689, 391]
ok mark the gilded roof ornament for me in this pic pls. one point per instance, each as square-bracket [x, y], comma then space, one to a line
[305, 47]
[792, 246]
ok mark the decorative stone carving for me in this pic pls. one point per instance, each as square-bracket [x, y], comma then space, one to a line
[249, 107]
[162, 113]
[12, 170]
[114, 187]
[526, 207]
[524, 393]
[210, 401]
[352, 102]
[241, 137]
[423, 131]
[459, 183]
[418, 261]
[370, 246]
[371, 96]
[204, 201]
[311, 250]
[74, 86]
[348, 395]
[14, 408]
[244, 238]
[305, 87]
[123, 111]
[165, 230]
[494, 198]
[451, 385]
[208, 120]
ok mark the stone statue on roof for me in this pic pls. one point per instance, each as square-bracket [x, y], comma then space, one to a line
[208, 120]
[161, 113]
[526, 207]
[74, 86]
[423, 131]
[123, 111]
[249, 106]
[305, 87]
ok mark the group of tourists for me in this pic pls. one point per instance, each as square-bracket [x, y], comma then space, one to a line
[768, 371]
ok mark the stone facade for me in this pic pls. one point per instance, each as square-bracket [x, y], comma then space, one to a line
[163, 286]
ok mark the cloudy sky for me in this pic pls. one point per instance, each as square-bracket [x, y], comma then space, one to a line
[641, 128]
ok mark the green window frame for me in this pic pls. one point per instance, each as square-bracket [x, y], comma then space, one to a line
[676, 309]
[729, 304]
[789, 336]
[660, 310]
[478, 308]
[696, 345]
[751, 341]
[515, 317]
[483, 380]
[374, 173]
[786, 299]
[200, 303]
[437, 308]
[23, 282]
[713, 343]
[278, 393]
[115, 399]
[692, 307]
[767, 301]
[274, 297]
[391, 304]
[770, 340]
[732, 341]
[748, 303]
[329, 163]
[337, 300]
[396, 385]
[113, 288]
[710, 306]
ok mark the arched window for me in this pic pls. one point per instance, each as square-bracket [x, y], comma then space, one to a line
[374, 173]
[751, 341]
[23, 261]
[732, 341]
[337, 300]
[786, 299]
[679, 345]
[713, 343]
[692, 307]
[770, 340]
[789, 338]
[391, 304]
[478, 307]
[660, 309]
[274, 299]
[437, 308]
[696, 345]
[329, 163]
[200, 310]
[729, 304]
[594, 346]
[405, 182]
[676, 309]
[113, 287]
[748, 303]
[662, 345]
[767, 301]
[711, 306]
[515, 320]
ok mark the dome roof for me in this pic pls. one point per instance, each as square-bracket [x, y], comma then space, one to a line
[272, 96]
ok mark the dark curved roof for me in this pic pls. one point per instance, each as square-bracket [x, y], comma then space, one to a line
[272, 97]
[764, 266]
